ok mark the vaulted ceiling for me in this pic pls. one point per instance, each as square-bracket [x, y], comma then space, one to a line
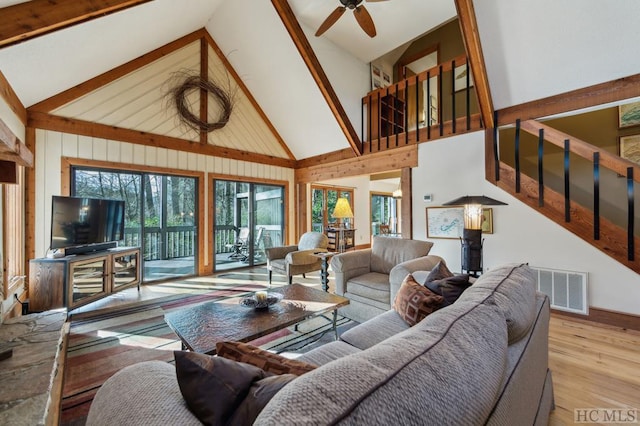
[531, 50]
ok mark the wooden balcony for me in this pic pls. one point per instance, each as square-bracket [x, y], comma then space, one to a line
[436, 103]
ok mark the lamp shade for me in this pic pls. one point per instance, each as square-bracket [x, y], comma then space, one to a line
[342, 209]
[474, 199]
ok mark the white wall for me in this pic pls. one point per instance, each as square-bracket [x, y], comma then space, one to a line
[453, 167]
[535, 49]
[11, 120]
[51, 146]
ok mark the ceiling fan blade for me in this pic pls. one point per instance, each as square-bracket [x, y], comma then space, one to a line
[365, 21]
[331, 19]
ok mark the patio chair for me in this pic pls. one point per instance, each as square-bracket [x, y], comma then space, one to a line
[257, 240]
[239, 245]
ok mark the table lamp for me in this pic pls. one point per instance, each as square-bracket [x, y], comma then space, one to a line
[341, 211]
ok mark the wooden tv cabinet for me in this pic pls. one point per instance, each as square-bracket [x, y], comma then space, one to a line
[76, 280]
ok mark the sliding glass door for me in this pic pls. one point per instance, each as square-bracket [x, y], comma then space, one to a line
[160, 216]
[384, 214]
[249, 217]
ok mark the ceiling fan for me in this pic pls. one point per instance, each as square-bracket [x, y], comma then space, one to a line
[361, 14]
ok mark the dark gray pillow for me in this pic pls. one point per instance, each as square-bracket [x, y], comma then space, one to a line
[439, 272]
[259, 395]
[213, 386]
[449, 288]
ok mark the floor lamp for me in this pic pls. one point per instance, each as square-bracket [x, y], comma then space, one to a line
[341, 211]
[471, 239]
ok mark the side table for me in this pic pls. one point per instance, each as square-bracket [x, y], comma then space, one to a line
[324, 271]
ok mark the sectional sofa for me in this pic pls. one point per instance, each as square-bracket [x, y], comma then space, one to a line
[481, 360]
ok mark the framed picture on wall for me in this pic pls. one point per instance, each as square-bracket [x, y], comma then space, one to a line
[629, 147]
[487, 221]
[376, 77]
[460, 75]
[445, 222]
[629, 115]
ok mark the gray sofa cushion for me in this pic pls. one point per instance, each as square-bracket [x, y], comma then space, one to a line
[458, 368]
[371, 285]
[327, 353]
[513, 288]
[157, 398]
[375, 330]
[388, 252]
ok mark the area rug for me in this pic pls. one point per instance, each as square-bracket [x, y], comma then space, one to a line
[102, 344]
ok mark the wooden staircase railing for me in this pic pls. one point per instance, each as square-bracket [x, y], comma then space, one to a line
[421, 108]
[617, 241]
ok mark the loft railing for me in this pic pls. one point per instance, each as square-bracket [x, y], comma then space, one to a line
[614, 235]
[435, 103]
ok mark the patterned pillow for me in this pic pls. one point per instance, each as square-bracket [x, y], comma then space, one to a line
[213, 386]
[268, 361]
[449, 288]
[414, 301]
[439, 272]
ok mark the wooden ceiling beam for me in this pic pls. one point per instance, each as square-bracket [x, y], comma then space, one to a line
[599, 94]
[41, 120]
[7, 93]
[471, 37]
[34, 18]
[394, 159]
[311, 60]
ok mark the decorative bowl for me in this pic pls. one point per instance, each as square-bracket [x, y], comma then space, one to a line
[261, 301]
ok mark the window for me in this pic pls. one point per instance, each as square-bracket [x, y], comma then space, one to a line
[323, 201]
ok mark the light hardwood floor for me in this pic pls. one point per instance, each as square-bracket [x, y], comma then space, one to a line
[593, 365]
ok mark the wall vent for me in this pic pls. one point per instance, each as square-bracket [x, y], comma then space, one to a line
[567, 290]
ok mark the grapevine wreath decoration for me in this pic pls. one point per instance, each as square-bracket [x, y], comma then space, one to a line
[221, 96]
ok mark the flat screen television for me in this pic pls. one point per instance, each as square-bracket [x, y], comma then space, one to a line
[78, 221]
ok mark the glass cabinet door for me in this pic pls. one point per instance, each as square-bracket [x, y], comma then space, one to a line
[88, 279]
[125, 270]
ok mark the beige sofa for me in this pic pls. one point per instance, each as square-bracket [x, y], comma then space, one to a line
[481, 360]
[370, 278]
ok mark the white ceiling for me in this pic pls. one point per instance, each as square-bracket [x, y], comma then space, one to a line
[396, 21]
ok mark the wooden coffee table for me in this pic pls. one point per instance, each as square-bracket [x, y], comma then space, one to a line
[202, 326]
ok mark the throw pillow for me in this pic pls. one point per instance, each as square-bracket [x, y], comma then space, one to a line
[259, 395]
[268, 361]
[439, 272]
[449, 288]
[414, 301]
[213, 386]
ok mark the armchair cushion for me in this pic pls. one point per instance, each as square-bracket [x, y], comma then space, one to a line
[303, 257]
[388, 252]
[312, 240]
[279, 252]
